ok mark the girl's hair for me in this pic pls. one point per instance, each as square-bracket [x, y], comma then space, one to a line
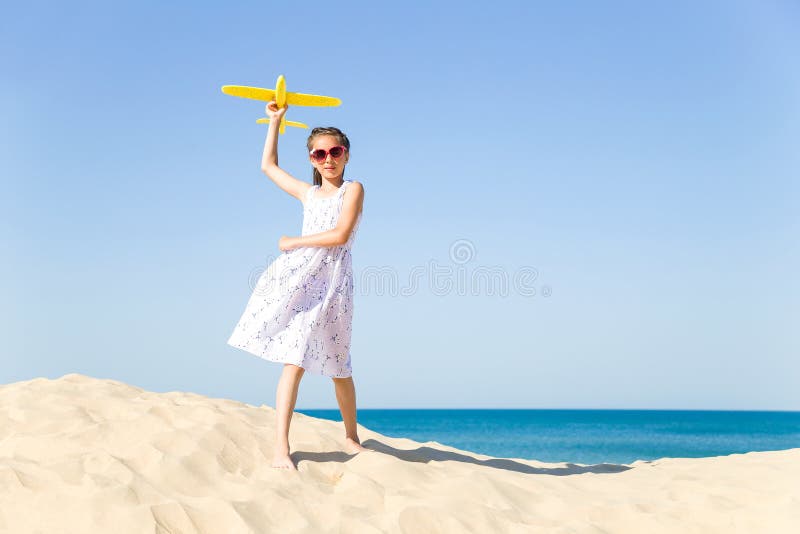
[329, 130]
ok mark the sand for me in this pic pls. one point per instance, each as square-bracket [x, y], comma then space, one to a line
[86, 455]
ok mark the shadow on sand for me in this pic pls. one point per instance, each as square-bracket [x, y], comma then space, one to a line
[429, 454]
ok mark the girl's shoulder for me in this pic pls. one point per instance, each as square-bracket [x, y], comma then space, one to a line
[355, 184]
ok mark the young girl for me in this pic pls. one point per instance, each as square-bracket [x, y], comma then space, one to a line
[300, 313]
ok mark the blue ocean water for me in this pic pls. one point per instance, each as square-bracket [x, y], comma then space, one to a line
[587, 436]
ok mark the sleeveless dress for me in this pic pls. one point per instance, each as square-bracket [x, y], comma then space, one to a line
[301, 310]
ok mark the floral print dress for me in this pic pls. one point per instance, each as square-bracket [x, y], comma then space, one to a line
[301, 310]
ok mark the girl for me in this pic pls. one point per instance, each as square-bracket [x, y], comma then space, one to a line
[300, 313]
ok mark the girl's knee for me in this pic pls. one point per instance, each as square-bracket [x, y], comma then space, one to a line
[341, 378]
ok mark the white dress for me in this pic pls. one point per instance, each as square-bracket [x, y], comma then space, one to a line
[301, 310]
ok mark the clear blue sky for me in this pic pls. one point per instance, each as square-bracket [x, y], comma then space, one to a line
[642, 157]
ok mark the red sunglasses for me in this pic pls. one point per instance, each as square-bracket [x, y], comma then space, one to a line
[321, 154]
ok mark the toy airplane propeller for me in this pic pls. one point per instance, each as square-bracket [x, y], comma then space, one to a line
[281, 98]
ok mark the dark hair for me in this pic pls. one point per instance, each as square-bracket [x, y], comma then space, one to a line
[329, 130]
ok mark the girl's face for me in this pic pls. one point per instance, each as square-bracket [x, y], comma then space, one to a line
[330, 168]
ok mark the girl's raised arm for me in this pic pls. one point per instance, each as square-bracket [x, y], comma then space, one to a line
[269, 160]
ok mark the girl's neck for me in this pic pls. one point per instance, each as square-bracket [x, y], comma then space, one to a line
[327, 186]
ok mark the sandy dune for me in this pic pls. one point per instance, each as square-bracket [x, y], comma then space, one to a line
[85, 455]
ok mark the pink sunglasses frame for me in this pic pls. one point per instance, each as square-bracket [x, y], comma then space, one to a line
[326, 152]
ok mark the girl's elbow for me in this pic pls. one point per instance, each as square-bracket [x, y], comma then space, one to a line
[267, 169]
[341, 239]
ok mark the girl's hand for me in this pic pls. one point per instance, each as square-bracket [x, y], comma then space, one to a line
[274, 112]
[286, 243]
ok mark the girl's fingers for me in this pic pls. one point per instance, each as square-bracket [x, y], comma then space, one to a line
[273, 107]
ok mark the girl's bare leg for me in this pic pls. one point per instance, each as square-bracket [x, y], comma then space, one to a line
[346, 397]
[285, 400]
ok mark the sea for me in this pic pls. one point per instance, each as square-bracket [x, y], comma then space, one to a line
[587, 436]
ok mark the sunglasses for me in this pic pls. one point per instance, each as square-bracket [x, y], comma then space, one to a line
[321, 155]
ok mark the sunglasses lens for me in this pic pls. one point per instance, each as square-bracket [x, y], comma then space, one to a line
[319, 154]
[337, 151]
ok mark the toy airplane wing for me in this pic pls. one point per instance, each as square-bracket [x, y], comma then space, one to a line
[256, 93]
[301, 99]
[295, 99]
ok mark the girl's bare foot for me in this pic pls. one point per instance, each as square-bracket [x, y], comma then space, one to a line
[282, 460]
[352, 446]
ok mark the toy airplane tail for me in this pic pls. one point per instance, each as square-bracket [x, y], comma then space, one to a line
[283, 124]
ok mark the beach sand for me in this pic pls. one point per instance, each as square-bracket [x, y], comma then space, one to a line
[86, 455]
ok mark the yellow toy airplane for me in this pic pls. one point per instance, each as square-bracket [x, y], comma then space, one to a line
[281, 98]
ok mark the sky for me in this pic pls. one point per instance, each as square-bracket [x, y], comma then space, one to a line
[629, 169]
